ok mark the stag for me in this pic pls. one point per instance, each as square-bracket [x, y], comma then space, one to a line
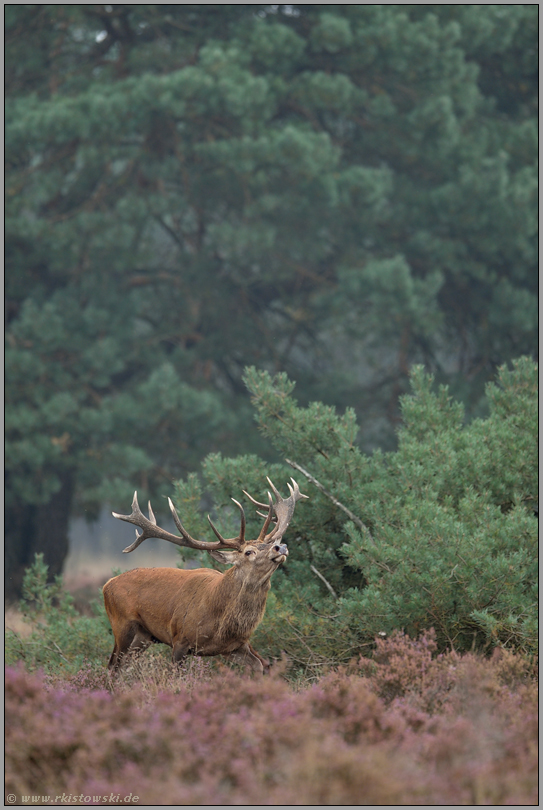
[200, 611]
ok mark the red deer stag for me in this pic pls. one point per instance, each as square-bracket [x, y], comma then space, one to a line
[199, 611]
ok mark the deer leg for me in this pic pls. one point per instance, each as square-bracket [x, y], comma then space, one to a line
[113, 665]
[265, 664]
[123, 640]
[179, 652]
[246, 655]
[141, 641]
[135, 641]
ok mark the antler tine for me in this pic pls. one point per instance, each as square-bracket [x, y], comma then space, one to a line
[256, 503]
[284, 510]
[135, 517]
[280, 511]
[139, 539]
[242, 518]
[136, 511]
[295, 491]
[275, 490]
[215, 530]
[181, 529]
[234, 542]
[268, 520]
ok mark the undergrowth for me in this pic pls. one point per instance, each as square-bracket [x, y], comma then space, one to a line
[407, 726]
[60, 638]
[403, 724]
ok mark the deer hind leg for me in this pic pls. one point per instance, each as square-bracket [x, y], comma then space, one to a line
[123, 640]
[248, 656]
[131, 638]
[265, 664]
[141, 641]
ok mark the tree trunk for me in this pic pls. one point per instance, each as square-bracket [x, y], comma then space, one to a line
[33, 529]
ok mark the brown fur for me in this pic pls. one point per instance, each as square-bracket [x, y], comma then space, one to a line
[200, 612]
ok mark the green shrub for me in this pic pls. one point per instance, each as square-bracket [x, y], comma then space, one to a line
[440, 533]
[61, 640]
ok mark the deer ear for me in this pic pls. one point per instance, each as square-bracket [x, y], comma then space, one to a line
[226, 557]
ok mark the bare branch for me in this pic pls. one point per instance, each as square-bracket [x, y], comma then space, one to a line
[334, 500]
[320, 576]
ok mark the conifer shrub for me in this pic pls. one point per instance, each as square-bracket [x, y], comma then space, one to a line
[441, 533]
[61, 640]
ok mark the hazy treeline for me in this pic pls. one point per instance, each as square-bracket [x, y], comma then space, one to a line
[333, 191]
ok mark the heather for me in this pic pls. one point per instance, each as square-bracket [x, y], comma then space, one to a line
[408, 726]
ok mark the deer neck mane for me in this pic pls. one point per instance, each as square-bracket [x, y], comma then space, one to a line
[243, 602]
[237, 584]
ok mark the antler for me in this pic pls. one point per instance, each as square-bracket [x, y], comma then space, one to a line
[235, 542]
[283, 509]
[150, 529]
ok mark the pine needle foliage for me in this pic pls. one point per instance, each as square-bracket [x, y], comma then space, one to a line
[334, 191]
[441, 533]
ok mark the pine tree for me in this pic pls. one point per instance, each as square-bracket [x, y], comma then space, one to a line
[333, 191]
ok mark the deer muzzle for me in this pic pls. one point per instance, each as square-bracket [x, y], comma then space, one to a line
[279, 553]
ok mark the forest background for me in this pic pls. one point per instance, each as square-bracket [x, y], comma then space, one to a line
[278, 240]
[333, 192]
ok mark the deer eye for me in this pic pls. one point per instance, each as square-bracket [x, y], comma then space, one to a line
[248, 553]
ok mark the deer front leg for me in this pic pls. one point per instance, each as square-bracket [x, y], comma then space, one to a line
[265, 664]
[142, 640]
[179, 651]
[246, 655]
